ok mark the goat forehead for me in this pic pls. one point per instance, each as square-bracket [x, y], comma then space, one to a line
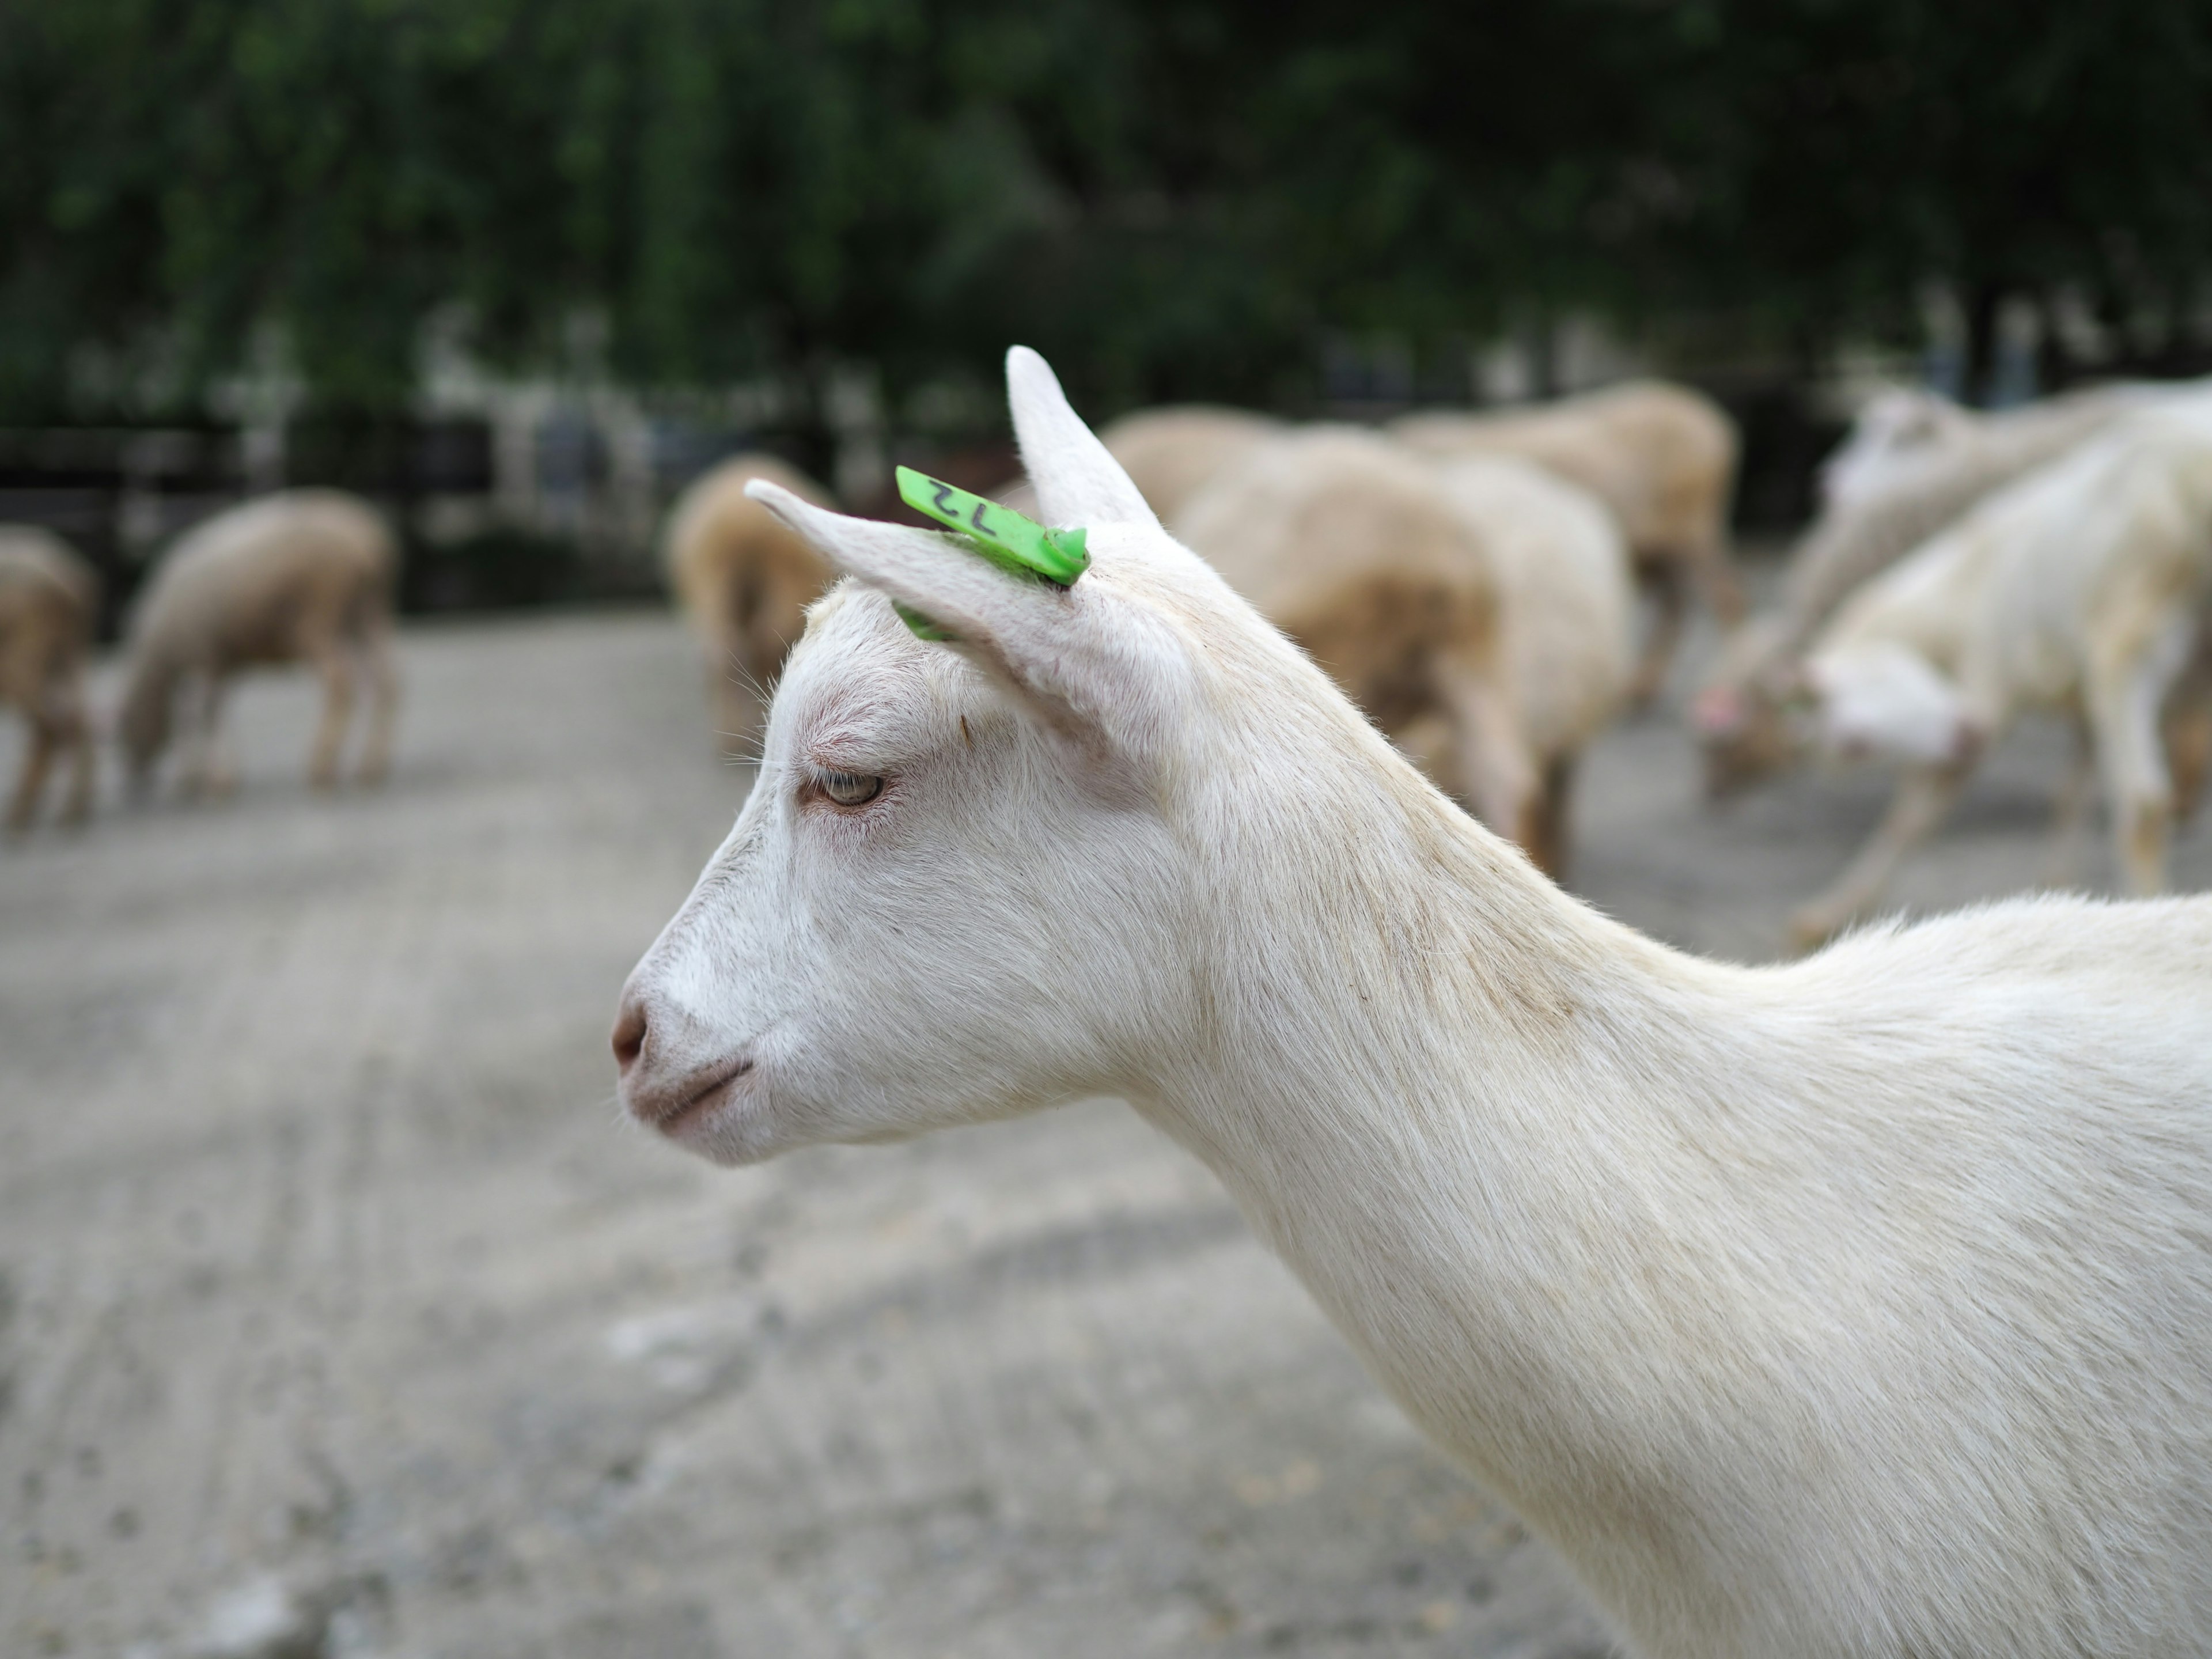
[861, 683]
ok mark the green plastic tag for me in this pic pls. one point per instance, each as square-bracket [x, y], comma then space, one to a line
[923, 628]
[999, 534]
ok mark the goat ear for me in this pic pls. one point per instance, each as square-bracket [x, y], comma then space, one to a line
[1078, 481]
[1093, 664]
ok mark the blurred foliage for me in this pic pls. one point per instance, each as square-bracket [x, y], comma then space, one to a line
[1171, 197]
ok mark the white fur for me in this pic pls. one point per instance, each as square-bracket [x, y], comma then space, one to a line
[1888, 700]
[2079, 589]
[1857, 1307]
[1894, 428]
[1917, 467]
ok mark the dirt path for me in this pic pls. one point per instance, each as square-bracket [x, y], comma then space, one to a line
[339, 1315]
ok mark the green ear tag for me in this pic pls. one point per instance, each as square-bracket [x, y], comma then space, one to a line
[923, 628]
[1001, 534]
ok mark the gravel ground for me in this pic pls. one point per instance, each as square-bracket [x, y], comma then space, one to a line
[340, 1315]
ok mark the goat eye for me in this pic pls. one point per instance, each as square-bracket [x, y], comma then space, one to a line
[851, 788]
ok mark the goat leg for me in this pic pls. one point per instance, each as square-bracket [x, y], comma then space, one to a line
[2127, 692]
[1717, 583]
[335, 663]
[1492, 756]
[1664, 580]
[1924, 795]
[2069, 808]
[204, 769]
[384, 704]
[31, 782]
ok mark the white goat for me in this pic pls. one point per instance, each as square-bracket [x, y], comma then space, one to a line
[1662, 458]
[304, 575]
[1897, 425]
[1902, 492]
[49, 600]
[1859, 1307]
[2082, 588]
[745, 581]
[1902, 434]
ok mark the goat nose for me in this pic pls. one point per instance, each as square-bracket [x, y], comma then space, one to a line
[629, 1034]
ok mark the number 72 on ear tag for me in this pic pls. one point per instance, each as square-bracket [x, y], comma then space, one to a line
[1001, 534]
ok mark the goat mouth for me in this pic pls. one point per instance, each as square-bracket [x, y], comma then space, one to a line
[701, 1101]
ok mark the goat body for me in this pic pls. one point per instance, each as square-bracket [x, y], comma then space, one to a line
[300, 576]
[1349, 545]
[1858, 1307]
[1567, 614]
[49, 598]
[1894, 430]
[1662, 458]
[1173, 452]
[745, 578]
[1477, 608]
[2082, 589]
[1899, 497]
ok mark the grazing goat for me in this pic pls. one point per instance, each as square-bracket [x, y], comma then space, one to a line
[1895, 428]
[1662, 458]
[1477, 609]
[303, 576]
[1905, 432]
[1351, 545]
[1569, 619]
[745, 581]
[49, 598]
[1173, 452]
[2083, 589]
[1901, 495]
[1857, 1306]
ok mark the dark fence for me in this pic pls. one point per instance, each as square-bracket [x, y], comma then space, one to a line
[565, 507]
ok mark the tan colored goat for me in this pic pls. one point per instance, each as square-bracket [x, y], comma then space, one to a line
[302, 576]
[49, 599]
[1461, 606]
[1660, 457]
[1570, 621]
[1170, 453]
[745, 581]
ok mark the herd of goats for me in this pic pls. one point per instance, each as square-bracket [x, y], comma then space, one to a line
[1470, 580]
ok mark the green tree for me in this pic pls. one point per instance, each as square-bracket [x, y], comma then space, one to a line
[1173, 197]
